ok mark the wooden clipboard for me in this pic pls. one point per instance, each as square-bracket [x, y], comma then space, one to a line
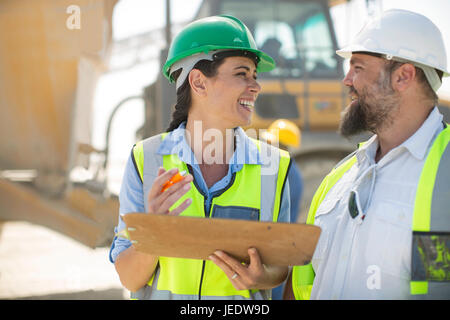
[280, 244]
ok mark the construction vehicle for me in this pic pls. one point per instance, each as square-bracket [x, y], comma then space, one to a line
[50, 60]
[51, 55]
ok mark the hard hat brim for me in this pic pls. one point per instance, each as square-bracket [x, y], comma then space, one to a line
[347, 51]
[266, 62]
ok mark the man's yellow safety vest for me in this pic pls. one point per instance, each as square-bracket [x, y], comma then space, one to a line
[430, 262]
[250, 195]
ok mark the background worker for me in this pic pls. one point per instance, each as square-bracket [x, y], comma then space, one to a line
[214, 63]
[287, 135]
[384, 210]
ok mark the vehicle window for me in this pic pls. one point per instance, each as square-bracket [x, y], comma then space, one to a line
[316, 46]
[276, 38]
[296, 34]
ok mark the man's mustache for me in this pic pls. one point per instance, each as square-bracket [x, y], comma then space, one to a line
[352, 90]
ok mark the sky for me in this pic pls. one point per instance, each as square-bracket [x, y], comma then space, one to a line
[133, 17]
[436, 10]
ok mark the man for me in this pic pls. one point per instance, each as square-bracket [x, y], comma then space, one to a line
[384, 210]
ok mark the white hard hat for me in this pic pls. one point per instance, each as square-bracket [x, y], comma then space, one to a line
[403, 36]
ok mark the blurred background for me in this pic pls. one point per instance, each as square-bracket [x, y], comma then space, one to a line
[80, 83]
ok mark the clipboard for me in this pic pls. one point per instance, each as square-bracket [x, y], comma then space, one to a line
[281, 244]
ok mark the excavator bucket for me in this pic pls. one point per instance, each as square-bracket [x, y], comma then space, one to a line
[51, 53]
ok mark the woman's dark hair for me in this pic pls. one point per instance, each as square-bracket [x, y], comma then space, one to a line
[180, 114]
[209, 69]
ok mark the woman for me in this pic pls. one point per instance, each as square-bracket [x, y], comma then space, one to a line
[214, 62]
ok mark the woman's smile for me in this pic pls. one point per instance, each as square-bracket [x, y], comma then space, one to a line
[247, 104]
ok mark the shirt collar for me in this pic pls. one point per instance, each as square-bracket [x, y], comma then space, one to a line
[246, 151]
[368, 150]
[418, 144]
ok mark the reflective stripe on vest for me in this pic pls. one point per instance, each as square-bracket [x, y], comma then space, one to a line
[430, 265]
[430, 270]
[303, 276]
[249, 195]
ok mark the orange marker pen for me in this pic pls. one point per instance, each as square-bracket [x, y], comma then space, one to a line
[176, 178]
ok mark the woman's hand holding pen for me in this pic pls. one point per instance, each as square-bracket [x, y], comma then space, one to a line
[161, 199]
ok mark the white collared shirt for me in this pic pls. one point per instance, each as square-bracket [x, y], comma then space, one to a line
[370, 258]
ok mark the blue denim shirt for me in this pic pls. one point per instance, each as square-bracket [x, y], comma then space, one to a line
[131, 191]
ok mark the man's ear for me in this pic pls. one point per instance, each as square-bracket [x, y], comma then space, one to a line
[403, 77]
[197, 82]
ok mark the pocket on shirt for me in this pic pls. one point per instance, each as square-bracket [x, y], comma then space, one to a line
[333, 197]
[235, 212]
[389, 241]
[327, 222]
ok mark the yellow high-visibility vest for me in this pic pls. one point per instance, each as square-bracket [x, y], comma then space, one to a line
[430, 262]
[249, 195]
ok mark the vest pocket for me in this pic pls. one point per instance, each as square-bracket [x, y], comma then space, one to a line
[235, 212]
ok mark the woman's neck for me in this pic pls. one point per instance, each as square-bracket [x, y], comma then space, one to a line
[210, 143]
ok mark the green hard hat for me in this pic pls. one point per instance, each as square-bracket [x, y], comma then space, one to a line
[214, 33]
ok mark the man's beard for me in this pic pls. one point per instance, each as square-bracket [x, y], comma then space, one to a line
[373, 110]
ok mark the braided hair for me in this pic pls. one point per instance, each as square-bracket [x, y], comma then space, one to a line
[183, 103]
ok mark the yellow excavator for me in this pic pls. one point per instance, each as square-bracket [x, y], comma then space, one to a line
[53, 51]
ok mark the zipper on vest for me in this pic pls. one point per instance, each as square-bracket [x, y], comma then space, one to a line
[191, 171]
[204, 262]
[214, 195]
[201, 281]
